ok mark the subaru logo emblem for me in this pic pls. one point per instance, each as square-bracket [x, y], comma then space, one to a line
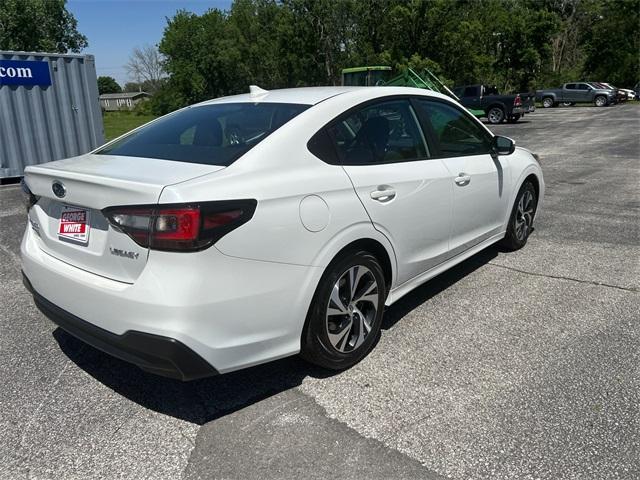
[59, 189]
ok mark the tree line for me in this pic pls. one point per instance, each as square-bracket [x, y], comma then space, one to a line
[517, 45]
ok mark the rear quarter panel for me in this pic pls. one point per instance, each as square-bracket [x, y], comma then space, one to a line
[556, 94]
[504, 101]
[282, 175]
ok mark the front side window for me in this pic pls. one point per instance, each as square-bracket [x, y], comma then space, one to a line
[456, 133]
[384, 132]
[215, 134]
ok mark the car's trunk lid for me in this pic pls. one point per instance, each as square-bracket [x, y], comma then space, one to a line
[73, 229]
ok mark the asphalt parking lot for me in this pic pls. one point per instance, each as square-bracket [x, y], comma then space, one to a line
[520, 365]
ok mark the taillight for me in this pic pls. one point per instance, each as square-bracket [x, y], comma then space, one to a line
[517, 101]
[28, 198]
[184, 227]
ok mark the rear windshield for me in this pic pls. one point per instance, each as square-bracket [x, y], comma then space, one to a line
[211, 134]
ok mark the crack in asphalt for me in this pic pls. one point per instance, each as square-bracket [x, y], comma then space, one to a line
[189, 440]
[126, 420]
[268, 413]
[561, 277]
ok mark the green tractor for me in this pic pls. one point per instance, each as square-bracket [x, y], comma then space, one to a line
[378, 76]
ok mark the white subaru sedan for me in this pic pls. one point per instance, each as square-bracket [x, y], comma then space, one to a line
[253, 227]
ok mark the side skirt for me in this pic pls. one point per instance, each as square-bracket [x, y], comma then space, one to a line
[400, 291]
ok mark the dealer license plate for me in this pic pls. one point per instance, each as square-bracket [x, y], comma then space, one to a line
[74, 224]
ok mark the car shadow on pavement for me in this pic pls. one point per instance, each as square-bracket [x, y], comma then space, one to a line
[198, 401]
[486, 122]
[433, 287]
[202, 401]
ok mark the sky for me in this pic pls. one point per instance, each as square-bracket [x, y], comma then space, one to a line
[114, 27]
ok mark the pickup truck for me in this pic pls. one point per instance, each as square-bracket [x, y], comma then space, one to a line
[577, 92]
[496, 107]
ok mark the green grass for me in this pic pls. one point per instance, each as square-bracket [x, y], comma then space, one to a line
[117, 123]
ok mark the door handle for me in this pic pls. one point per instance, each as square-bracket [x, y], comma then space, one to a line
[383, 194]
[463, 179]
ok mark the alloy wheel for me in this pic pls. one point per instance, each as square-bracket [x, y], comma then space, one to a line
[547, 102]
[600, 101]
[352, 308]
[524, 215]
[495, 115]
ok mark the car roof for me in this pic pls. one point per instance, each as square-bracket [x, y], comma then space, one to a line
[311, 95]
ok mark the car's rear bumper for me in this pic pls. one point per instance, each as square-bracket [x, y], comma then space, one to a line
[231, 312]
[154, 353]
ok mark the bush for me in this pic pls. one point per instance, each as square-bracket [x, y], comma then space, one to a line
[143, 107]
[165, 100]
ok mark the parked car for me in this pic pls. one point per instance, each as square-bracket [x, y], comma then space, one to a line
[572, 93]
[253, 227]
[623, 94]
[619, 94]
[496, 107]
[627, 93]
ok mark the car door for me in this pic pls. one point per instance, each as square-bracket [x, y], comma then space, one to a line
[471, 97]
[583, 93]
[479, 178]
[569, 93]
[406, 193]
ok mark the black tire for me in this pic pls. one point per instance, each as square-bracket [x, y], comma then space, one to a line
[495, 115]
[515, 237]
[568, 104]
[600, 101]
[547, 102]
[316, 346]
[514, 118]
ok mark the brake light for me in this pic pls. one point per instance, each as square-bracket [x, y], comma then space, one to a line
[517, 101]
[28, 198]
[185, 227]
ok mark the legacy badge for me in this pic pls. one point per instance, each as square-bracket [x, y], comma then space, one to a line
[124, 253]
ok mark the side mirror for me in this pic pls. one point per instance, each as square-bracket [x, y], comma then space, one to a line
[503, 145]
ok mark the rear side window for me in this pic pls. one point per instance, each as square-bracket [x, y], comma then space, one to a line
[321, 145]
[211, 134]
[383, 132]
[470, 92]
[455, 132]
